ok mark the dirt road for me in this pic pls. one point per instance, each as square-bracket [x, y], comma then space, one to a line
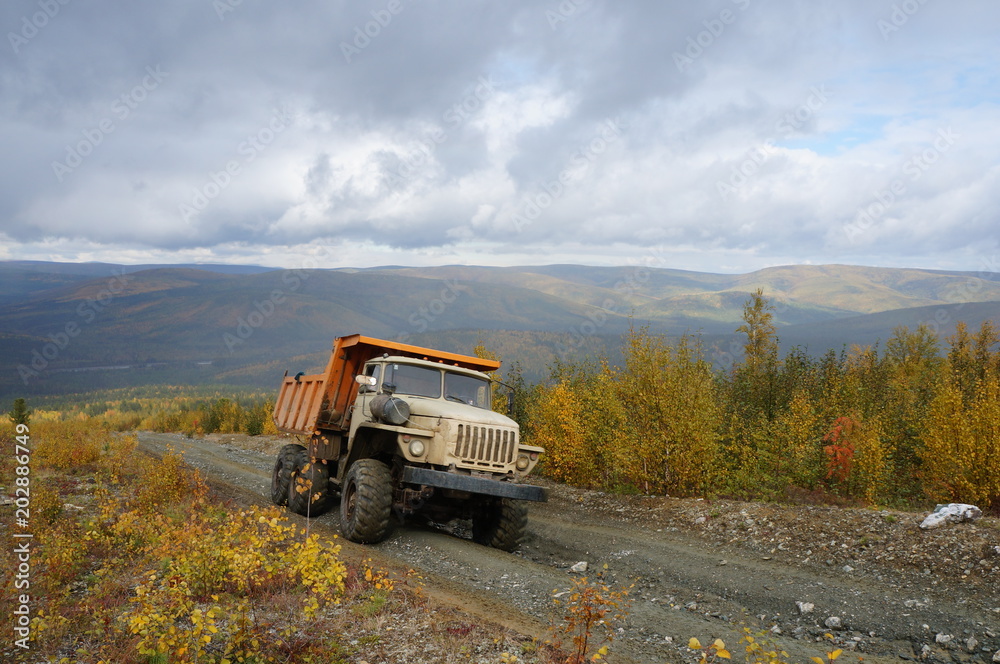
[883, 589]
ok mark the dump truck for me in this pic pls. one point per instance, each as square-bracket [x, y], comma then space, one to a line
[396, 431]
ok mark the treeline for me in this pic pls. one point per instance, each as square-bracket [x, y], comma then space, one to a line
[222, 415]
[908, 423]
[169, 409]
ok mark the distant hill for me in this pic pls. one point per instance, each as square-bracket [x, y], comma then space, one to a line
[24, 278]
[871, 329]
[68, 327]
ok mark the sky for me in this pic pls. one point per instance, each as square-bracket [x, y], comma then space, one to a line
[718, 136]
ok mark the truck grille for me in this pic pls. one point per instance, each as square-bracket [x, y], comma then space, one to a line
[485, 446]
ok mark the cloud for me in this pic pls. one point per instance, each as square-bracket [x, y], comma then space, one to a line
[744, 132]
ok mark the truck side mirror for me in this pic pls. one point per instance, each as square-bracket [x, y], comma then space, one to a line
[510, 403]
[366, 382]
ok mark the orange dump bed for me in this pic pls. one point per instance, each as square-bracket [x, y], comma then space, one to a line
[307, 404]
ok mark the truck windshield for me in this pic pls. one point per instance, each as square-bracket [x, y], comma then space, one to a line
[416, 381]
[467, 389]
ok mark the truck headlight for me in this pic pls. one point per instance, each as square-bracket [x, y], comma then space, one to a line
[522, 462]
[417, 448]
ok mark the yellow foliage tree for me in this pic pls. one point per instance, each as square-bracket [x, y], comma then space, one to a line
[557, 425]
[789, 452]
[667, 392]
[871, 469]
[961, 451]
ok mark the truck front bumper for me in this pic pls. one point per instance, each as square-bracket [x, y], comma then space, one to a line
[480, 485]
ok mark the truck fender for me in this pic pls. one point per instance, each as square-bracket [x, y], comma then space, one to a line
[367, 444]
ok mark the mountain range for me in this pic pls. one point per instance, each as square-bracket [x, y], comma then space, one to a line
[68, 327]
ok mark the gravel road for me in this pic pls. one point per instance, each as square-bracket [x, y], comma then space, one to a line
[884, 589]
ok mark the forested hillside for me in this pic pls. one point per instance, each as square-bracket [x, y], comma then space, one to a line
[77, 327]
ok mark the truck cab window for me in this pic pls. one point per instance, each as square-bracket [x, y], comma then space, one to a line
[413, 380]
[467, 389]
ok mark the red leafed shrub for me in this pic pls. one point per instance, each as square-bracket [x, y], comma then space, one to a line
[840, 449]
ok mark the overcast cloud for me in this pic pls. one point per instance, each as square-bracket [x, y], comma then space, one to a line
[726, 135]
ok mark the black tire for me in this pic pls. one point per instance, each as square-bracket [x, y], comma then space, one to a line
[281, 476]
[366, 502]
[309, 489]
[500, 523]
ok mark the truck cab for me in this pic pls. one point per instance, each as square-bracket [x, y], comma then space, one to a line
[451, 423]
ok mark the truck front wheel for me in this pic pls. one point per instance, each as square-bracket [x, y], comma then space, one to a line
[366, 502]
[500, 523]
[281, 476]
[309, 488]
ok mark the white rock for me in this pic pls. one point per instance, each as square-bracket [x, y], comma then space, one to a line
[996, 656]
[951, 513]
[579, 568]
[805, 607]
[833, 622]
[848, 569]
[700, 520]
[971, 644]
[943, 638]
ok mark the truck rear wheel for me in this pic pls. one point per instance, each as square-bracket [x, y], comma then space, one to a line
[500, 523]
[366, 502]
[309, 489]
[281, 476]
